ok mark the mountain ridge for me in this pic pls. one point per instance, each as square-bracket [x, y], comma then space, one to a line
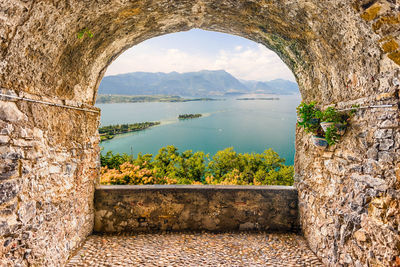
[200, 83]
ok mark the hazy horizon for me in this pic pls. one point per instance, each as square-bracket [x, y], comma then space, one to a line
[195, 72]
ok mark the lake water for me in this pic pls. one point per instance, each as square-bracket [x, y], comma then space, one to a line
[245, 125]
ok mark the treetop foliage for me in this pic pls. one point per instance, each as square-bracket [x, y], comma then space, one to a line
[171, 167]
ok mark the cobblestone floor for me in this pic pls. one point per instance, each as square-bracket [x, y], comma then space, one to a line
[195, 249]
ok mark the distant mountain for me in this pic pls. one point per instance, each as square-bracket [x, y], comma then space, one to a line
[277, 86]
[201, 83]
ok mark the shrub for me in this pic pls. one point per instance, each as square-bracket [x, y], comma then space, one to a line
[308, 117]
[331, 135]
[332, 115]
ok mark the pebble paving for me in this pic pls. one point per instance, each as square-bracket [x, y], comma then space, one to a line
[195, 249]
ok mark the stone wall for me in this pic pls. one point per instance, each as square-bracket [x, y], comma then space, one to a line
[349, 193]
[48, 167]
[212, 208]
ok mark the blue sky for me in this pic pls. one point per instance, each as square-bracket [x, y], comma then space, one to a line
[196, 50]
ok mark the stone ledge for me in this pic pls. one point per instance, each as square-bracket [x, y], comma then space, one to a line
[152, 208]
[194, 187]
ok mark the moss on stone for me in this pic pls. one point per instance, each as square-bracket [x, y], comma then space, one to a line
[387, 20]
[372, 12]
[395, 56]
[390, 46]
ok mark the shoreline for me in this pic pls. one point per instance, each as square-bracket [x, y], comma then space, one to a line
[110, 131]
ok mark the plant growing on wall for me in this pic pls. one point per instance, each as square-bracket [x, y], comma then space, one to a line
[354, 109]
[331, 115]
[327, 126]
[332, 118]
[307, 117]
[84, 32]
[334, 123]
[331, 135]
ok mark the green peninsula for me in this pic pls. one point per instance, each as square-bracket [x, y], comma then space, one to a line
[106, 99]
[188, 116]
[108, 132]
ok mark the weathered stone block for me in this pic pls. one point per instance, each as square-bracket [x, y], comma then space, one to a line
[23, 143]
[4, 229]
[54, 169]
[386, 157]
[27, 212]
[4, 139]
[370, 182]
[371, 12]
[384, 133]
[10, 112]
[386, 144]
[11, 93]
[26, 133]
[372, 153]
[397, 169]
[6, 129]
[389, 124]
[13, 155]
[8, 209]
[9, 190]
[9, 170]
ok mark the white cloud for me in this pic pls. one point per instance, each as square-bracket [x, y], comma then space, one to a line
[255, 63]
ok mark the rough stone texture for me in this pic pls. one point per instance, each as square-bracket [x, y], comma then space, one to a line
[341, 52]
[48, 165]
[213, 208]
[349, 193]
[195, 249]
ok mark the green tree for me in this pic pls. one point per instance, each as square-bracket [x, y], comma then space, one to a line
[165, 161]
[223, 162]
[186, 167]
[146, 159]
[192, 166]
[113, 161]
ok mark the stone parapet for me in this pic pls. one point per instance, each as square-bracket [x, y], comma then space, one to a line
[212, 208]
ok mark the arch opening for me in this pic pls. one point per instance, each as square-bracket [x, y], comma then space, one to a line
[244, 95]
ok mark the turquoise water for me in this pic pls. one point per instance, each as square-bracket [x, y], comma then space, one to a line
[247, 126]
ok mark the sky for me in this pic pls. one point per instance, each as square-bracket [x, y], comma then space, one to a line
[197, 50]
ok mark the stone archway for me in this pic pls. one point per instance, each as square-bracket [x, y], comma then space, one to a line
[341, 52]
